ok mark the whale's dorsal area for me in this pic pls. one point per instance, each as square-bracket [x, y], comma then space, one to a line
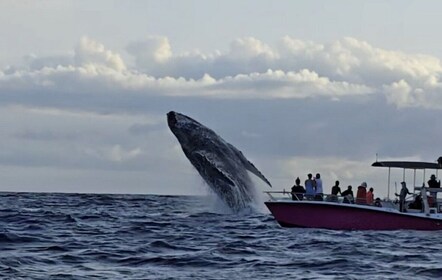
[222, 166]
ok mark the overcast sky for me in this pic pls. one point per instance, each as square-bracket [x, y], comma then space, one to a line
[298, 87]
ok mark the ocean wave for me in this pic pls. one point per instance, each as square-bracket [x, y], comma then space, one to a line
[7, 237]
[75, 236]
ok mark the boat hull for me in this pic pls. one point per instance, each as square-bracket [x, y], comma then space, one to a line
[328, 215]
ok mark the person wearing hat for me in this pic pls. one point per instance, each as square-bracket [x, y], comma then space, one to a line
[361, 195]
[402, 195]
[432, 183]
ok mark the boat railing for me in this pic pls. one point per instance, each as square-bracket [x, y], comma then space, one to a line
[287, 195]
[432, 203]
[435, 190]
[283, 192]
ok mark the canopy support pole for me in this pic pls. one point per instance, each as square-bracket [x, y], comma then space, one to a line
[414, 179]
[388, 191]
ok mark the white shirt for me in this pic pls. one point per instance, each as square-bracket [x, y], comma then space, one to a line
[319, 185]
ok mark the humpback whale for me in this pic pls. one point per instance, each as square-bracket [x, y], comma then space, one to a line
[222, 166]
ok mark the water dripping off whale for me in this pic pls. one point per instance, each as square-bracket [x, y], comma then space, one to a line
[222, 166]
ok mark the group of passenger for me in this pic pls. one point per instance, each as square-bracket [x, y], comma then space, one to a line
[314, 191]
[313, 188]
[365, 197]
[418, 203]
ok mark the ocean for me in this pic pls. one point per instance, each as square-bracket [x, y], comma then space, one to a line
[102, 236]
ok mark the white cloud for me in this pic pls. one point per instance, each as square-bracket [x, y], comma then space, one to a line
[150, 51]
[251, 48]
[90, 110]
[400, 93]
[250, 69]
[90, 52]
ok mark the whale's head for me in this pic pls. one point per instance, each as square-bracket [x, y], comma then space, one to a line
[187, 130]
[177, 121]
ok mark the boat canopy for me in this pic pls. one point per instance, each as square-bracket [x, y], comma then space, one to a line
[408, 164]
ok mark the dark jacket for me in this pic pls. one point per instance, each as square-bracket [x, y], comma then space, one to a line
[432, 183]
[346, 195]
[297, 192]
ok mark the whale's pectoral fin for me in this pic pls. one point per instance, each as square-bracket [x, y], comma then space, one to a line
[212, 167]
[249, 166]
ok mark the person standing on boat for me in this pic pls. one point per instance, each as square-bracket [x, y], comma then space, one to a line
[309, 187]
[335, 191]
[432, 183]
[370, 197]
[402, 196]
[319, 192]
[298, 190]
[348, 195]
[361, 195]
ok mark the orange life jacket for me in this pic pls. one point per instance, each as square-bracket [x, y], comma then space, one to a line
[361, 196]
[370, 198]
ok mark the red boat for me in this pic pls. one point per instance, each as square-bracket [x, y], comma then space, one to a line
[333, 213]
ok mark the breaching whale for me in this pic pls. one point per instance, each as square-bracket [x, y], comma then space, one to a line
[222, 166]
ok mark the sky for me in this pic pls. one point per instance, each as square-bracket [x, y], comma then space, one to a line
[298, 86]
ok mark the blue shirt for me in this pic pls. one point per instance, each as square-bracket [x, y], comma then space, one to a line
[309, 190]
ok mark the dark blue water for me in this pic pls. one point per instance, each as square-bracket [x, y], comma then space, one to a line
[86, 236]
